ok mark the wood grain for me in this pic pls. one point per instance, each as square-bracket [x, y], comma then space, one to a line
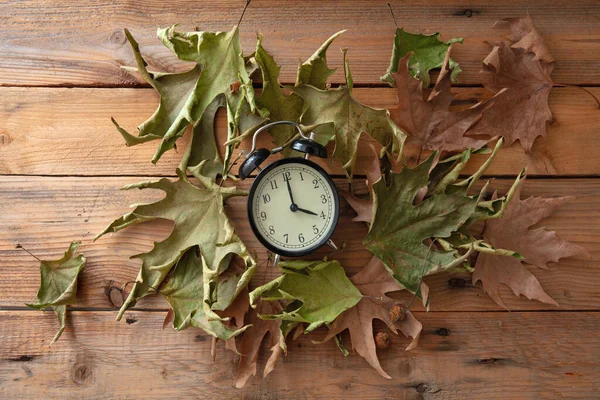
[68, 132]
[460, 355]
[44, 214]
[81, 42]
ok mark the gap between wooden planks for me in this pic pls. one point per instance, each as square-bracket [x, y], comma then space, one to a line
[81, 42]
[45, 213]
[476, 355]
[50, 131]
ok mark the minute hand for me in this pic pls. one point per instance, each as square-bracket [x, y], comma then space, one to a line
[307, 211]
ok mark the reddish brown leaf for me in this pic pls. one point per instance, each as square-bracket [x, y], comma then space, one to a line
[429, 123]
[373, 281]
[537, 246]
[253, 337]
[522, 68]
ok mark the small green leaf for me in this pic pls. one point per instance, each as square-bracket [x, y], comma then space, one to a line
[428, 53]
[315, 71]
[58, 286]
[316, 292]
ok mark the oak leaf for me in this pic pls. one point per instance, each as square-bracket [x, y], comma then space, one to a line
[430, 124]
[536, 246]
[428, 53]
[373, 281]
[58, 286]
[400, 228]
[199, 220]
[522, 68]
[316, 292]
[350, 119]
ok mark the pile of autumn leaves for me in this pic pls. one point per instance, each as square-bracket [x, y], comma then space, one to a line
[423, 218]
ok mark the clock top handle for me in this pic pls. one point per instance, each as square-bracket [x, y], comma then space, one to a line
[305, 144]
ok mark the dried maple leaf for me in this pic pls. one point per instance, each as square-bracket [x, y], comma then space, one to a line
[199, 220]
[316, 291]
[58, 286]
[220, 70]
[523, 69]
[251, 340]
[428, 53]
[350, 119]
[429, 123]
[373, 281]
[537, 247]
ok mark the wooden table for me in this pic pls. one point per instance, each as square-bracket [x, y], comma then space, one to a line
[62, 162]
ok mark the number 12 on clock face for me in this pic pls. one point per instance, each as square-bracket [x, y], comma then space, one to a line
[293, 207]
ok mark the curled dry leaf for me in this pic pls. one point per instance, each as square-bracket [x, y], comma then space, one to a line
[253, 337]
[522, 65]
[192, 209]
[537, 247]
[374, 282]
[58, 286]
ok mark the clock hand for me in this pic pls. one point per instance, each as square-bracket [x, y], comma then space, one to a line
[290, 191]
[307, 211]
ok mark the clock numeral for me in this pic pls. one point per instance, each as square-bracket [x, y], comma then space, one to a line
[323, 215]
[263, 216]
[315, 229]
[323, 199]
[271, 230]
[301, 176]
[287, 176]
[301, 238]
[266, 198]
[316, 183]
[287, 237]
[273, 184]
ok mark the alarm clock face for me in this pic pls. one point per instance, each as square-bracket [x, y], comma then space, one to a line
[293, 207]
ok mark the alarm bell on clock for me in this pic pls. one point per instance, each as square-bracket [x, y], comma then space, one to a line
[293, 206]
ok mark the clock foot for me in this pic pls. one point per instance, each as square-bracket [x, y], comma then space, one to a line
[331, 244]
[276, 260]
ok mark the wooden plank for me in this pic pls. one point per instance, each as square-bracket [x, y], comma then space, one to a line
[82, 42]
[460, 355]
[68, 132]
[45, 213]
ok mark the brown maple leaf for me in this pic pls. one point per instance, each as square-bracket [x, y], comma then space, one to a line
[429, 123]
[537, 246]
[373, 281]
[521, 65]
[253, 337]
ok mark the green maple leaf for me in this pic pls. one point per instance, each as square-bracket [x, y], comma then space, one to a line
[315, 71]
[199, 220]
[428, 53]
[184, 291]
[317, 292]
[221, 70]
[350, 119]
[399, 227]
[58, 286]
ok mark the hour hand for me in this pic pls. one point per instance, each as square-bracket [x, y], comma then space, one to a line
[306, 211]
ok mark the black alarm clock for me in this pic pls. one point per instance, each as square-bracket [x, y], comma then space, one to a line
[293, 205]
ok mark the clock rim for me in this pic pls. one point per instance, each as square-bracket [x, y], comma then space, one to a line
[336, 210]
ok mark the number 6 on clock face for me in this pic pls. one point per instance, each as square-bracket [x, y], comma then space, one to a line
[293, 207]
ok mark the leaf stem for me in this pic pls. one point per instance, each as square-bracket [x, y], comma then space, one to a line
[243, 12]
[393, 17]
[18, 246]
